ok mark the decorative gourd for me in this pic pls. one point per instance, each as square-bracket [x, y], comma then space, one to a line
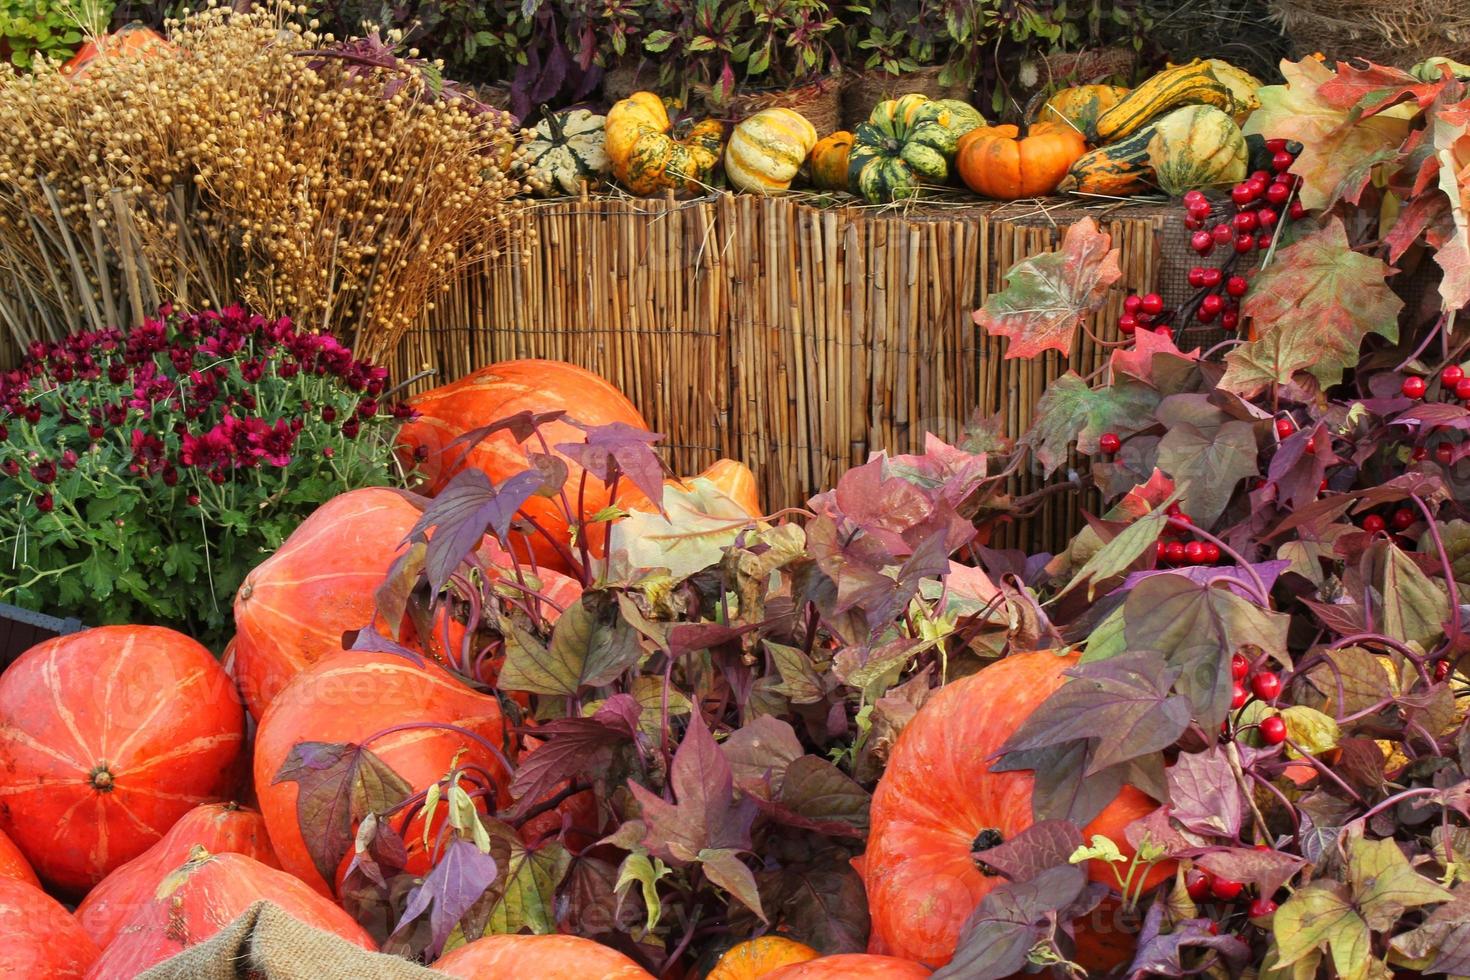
[1243, 87]
[129, 41]
[41, 939]
[1080, 106]
[904, 141]
[107, 737]
[757, 958]
[733, 479]
[348, 699]
[938, 802]
[958, 115]
[543, 957]
[1116, 170]
[567, 148]
[202, 896]
[13, 863]
[498, 392]
[767, 149]
[646, 157]
[997, 162]
[217, 827]
[829, 161]
[1191, 84]
[1197, 146]
[852, 966]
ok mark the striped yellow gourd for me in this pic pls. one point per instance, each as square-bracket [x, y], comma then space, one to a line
[767, 149]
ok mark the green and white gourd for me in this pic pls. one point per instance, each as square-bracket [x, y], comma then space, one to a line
[906, 142]
[566, 148]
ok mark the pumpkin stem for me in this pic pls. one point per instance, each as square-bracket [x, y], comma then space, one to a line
[554, 122]
[984, 841]
[101, 778]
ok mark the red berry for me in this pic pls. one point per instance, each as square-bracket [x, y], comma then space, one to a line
[1462, 389]
[1281, 161]
[1244, 244]
[1239, 666]
[1261, 908]
[1230, 319]
[1174, 553]
[1298, 211]
[1225, 889]
[1273, 730]
[1237, 285]
[1284, 427]
[1193, 223]
[1266, 685]
[1212, 278]
[1143, 319]
[1441, 670]
[1401, 518]
[1164, 332]
[1374, 524]
[1452, 375]
[1173, 510]
[1275, 146]
[1241, 194]
[1277, 194]
[1267, 217]
[1322, 487]
[1244, 221]
[1153, 304]
[1212, 553]
[1161, 549]
[1311, 446]
[1238, 696]
[1110, 443]
[1213, 928]
[1202, 242]
[1127, 323]
[1197, 277]
[1212, 304]
[1420, 453]
[1258, 177]
[1132, 302]
[1414, 387]
[1198, 209]
[1263, 242]
[1197, 884]
[1194, 552]
[1445, 453]
[1223, 234]
[1197, 197]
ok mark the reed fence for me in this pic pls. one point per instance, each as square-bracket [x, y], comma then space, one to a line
[796, 338]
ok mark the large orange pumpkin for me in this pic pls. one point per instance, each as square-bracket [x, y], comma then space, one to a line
[107, 737]
[13, 863]
[851, 966]
[732, 478]
[938, 797]
[998, 162]
[757, 958]
[38, 937]
[542, 957]
[219, 828]
[201, 897]
[350, 698]
[498, 392]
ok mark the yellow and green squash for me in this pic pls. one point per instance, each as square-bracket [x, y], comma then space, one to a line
[1196, 147]
[1193, 84]
[767, 149]
[905, 142]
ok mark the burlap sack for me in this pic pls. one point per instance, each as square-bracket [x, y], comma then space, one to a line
[267, 944]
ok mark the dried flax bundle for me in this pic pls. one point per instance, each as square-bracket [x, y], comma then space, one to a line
[255, 160]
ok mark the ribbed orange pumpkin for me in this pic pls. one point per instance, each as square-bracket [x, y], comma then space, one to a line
[733, 479]
[349, 698]
[13, 863]
[498, 392]
[757, 958]
[998, 162]
[851, 966]
[38, 937]
[219, 828]
[542, 957]
[938, 796]
[201, 897]
[107, 737]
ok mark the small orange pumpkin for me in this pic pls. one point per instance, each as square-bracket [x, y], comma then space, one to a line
[732, 478]
[998, 162]
[756, 958]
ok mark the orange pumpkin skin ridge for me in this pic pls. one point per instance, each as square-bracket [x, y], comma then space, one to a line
[542, 957]
[851, 966]
[107, 737]
[500, 391]
[937, 795]
[41, 939]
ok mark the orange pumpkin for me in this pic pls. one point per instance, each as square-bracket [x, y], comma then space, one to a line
[542, 957]
[216, 827]
[41, 939]
[851, 966]
[201, 897]
[998, 162]
[938, 798]
[128, 41]
[756, 958]
[734, 479]
[13, 863]
[498, 392]
[107, 737]
[350, 698]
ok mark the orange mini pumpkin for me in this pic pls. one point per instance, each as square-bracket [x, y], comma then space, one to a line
[938, 797]
[998, 162]
[731, 477]
[756, 958]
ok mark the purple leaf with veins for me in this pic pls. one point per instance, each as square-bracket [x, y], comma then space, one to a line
[463, 874]
[463, 512]
[619, 448]
[1229, 575]
[706, 815]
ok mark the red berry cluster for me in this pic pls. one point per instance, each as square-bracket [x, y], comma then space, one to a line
[1247, 223]
[1172, 550]
[1203, 886]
